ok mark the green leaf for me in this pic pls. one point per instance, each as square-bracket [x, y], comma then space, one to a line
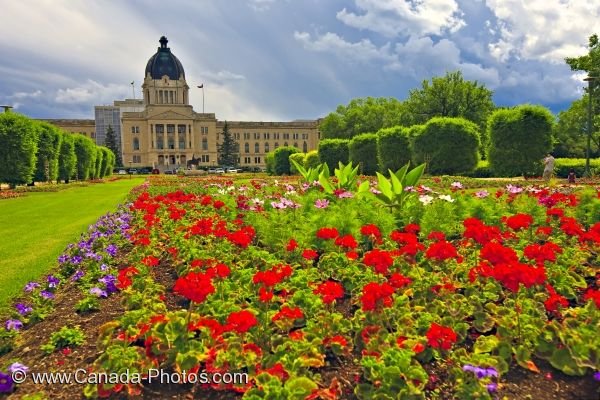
[396, 185]
[486, 344]
[414, 175]
[300, 168]
[561, 359]
[401, 173]
[385, 186]
[300, 387]
[324, 181]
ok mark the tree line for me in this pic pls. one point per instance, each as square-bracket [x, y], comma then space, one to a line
[36, 151]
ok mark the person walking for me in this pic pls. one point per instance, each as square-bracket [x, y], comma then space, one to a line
[548, 167]
[571, 176]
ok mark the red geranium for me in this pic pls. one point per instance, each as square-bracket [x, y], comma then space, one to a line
[397, 280]
[441, 251]
[330, 291]
[554, 300]
[375, 295]
[379, 260]
[346, 241]
[125, 275]
[371, 231]
[240, 321]
[518, 221]
[440, 337]
[310, 254]
[292, 245]
[195, 286]
[327, 233]
[287, 312]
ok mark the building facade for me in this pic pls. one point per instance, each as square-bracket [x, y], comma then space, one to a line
[167, 133]
[86, 127]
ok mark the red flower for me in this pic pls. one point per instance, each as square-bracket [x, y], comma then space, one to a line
[337, 339]
[327, 233]
[150, 261]
[125, 275]
[292, 245]
[330, 291]
[412, 228]
[352, 255]
[288, 313]
[518, 221]
[276, 370]
[203, 226]
[440, 337]
[441, 251]
[372, 231]
[195, 286]
[398, 280]
[554, 300]
[265, 295]
[242, 237]
[379, 260]
[375, 295]
[240, 321]
[437, 236]
[218, 204]
[542, 252]
[273, 276]
[222, 270]
[594, 295]
[310, 254]
[346, 241]
[481, 233]
[417, 348]
[496, 254]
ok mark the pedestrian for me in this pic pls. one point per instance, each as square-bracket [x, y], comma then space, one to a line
[548, 167]
[571, 176]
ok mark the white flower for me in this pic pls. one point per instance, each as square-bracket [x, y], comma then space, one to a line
[446, 197]
[426, 199]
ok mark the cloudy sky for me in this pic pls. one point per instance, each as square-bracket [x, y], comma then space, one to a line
[288, 59]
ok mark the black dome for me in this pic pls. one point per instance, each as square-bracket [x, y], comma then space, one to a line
[164, 63]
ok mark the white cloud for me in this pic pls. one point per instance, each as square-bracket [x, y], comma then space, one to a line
[91, 92]
[24, 95]
[401, 17]
[363, 50]
[547, 30]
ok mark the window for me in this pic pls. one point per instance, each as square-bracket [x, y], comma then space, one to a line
[256, 148]
[276, 136]
[171, 96]
[246, 135]
[305, 136]
[170, 128]
[296, 145]
[295, 136]
[305, 147]
[160, 96]
[256, 160]
[286, 135]
[204, 144]
[133, 129]
[246, 147]
[256, 135]
[236, 135]
[285, 144]
[276, 145]
[266, 135]
[266, 147]
[137, 159]
[151, 128]
[247, 160]
[136, 143]
[180, 129]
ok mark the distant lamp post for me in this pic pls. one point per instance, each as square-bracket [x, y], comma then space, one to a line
[588, 172]
[7, 108]
[202, 87]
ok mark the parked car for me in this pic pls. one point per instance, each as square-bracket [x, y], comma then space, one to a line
[121, 172]
[169, 172]
[212, 170]
[219, 171]
[132, 171]
[232, 170]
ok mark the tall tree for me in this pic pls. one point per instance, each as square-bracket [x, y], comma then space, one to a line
[67, 159]
[450, 96]
[18, 146]
[111, 142]
[363, 115]
[570, 131]
[49, 141]
[227, 151]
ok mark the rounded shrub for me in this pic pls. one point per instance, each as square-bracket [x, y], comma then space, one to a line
[18, 146]
[393, 148]
[49, 141]
[449, 145]
[333, 151]
[312, 159]
[519, 139]
[299, 158]
[67, 159]
[281, 160]
[362, 150]
[85, 150]
[109, 160]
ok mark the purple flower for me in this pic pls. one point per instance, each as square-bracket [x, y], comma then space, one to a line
[103, 267]
[6, 383]
[31, 286]
[77, 275]
[345, 195]
[46, 294]
[597, 375]
[109, 281]
[63, 258]
[96, 291]
[321, 203]
[23, 308]
[456, 185]
[13, 325]
[17, 367]
[512, 189]
[482, 194]
[111, 249]
[75, 260]
[492, 387]
[52, 281]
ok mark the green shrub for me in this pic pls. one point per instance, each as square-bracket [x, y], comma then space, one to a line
[98, 170]
[299, 158]
[312, 159]
[49, 141]
[270, 163]
[449, 145]
[482, 170]
[562, 166]
[67, 159]
[105, 160]
[85, 150]
[393, 148]
[18, 146]
[333, 151]
[519, 140]
[362, 150]
[281, 160]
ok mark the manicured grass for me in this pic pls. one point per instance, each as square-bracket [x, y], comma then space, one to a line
[35, 229]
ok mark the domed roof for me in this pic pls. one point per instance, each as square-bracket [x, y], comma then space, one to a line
[164, 63]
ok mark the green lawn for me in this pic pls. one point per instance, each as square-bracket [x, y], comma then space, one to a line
[35, 229]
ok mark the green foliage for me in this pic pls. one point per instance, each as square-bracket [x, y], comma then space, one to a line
[362, 150]
[270, 163]
[392, 191]
[67, 159]
[49, 142]
[393, 148]
[18, 146]
[449, 145]
[333, 151]
[227, 150]
[7, 340]
[450, 96]
[312, 159]
[281, 160]
[562, 166]
[519, 139]
[85, 150]
[98, 170]
[346, 178]
[482, 170]
[299, 159]
[361, 116]
[105, 161]
[111, 142]
[309, 175]
[570, 131]
[65, 337]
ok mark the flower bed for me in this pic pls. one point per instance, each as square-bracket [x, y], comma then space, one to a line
[319, 294]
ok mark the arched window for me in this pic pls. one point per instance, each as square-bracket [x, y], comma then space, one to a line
[246, 147]
[256, 148]
[267, 147]
[276, 145]
[296, 145]
[136, 143]
[304, 147]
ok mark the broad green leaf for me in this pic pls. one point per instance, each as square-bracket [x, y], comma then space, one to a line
[414, 175]
[401, 173]
[396, 185]
[384, 186]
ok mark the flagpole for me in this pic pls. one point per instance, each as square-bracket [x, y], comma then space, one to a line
[202, 87]
[133, 89]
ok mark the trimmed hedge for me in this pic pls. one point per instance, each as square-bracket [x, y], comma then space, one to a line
[519, 139]
[18, 145]
[393, 148]
[332, 151]
[85, 150]
[49, 141]
[98, 170]
[562, 166]
[67, 159]
[362, 150]
[451, 145]
[299, 158]
[312, 159]
[281, 160]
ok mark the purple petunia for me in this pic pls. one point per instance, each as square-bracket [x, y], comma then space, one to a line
[23, 309]
[63, 258]
[31, 286]
[52, 281]
[111, 249]
[110, 283]
[597, 376]
[76, 260]
[14, 367]
[6, 383]
[46, 294]
[481, 373]
[13, 325]
[77, 275]
[96, 291]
